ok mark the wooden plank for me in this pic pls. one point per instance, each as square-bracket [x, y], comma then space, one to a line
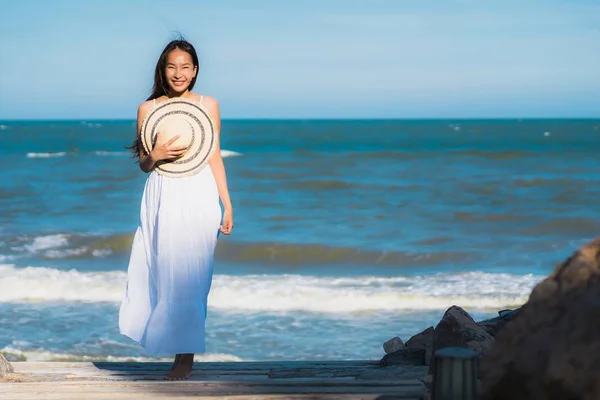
[292, 369]
[200, 365]
[249, 364]
[316, 372]
[143, 396]
[376, 376]
[250, 380]
[209, 383]
[116, 389]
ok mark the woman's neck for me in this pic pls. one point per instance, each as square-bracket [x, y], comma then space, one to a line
[172, 94]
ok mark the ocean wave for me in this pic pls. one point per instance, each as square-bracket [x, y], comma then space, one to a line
[492, 154]
[91, 124]
[14, 354]
[286, 293]
[47, 155]
[316, 254]
[80, 246]
[59, 246]
[47, 242]
[229, 153]
[104, 153]
[66, 246]
[417, 153]
[112, 153]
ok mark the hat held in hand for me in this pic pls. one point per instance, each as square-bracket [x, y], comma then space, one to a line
[192, 122]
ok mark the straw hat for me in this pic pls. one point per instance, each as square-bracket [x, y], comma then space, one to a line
[192, 122]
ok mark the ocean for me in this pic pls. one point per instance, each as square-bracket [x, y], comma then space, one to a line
[347, 233]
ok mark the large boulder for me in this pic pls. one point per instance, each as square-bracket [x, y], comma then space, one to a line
[551, 348]
[5, 367]
[416, 351]
[393, 345]
[458, 329]
[493, 325]
[423, 341]
[403, 357]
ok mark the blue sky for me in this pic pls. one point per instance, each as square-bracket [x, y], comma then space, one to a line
[307, 58]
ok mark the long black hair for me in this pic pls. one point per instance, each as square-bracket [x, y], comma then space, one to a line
[161, 87]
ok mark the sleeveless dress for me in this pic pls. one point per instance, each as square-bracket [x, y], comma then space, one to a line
[171, 264]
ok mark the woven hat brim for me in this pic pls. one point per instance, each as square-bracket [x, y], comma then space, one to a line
[203, 142]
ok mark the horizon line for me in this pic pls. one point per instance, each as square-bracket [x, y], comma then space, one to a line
[292, 119]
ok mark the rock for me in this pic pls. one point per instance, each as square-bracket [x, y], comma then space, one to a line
[420, 340]
[551, 348]
[423, 341]
[5, 367]
[393, 345]
[404, 357]
[493, 325]
[429, 353]
[458, 329]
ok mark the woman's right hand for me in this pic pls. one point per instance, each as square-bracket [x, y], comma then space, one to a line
[165, 150]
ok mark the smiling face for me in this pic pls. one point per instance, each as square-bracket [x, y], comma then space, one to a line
[180, 70]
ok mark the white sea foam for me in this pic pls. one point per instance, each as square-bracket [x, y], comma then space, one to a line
[65, 253]
[46, 155]
[224, 153]
[287, 293]
[49, 284]
[101, 252]
[47, 242]
[229, 153]
[76, 252]
[55, 247]
[14, 353]
[111, 153]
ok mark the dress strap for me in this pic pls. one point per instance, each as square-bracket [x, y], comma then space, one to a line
[201, 98]
[153, 103]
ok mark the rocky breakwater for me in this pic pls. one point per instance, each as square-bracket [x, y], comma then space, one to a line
[548, 349]
[455, 329]
[551, 349]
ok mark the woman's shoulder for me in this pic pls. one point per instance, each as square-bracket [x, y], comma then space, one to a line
[205, 99]
[144, 107]
[209, 102]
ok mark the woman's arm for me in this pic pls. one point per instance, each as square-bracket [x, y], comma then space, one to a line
[218, 168]
[146, 161]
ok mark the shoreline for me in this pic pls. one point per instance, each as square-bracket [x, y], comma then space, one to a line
[403, 372]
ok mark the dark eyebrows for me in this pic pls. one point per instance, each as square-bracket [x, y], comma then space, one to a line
[184, 64]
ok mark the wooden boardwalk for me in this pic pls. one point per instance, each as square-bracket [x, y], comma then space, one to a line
[344, 380]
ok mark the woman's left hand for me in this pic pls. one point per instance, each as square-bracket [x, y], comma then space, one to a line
[227, 225]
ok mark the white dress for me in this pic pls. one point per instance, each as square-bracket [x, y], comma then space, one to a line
[171, 264]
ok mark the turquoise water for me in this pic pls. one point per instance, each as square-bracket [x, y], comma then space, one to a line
[347, 232]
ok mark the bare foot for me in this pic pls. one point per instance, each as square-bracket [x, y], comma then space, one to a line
[183, 369]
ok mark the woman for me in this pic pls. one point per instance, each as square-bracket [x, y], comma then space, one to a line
[171, 264]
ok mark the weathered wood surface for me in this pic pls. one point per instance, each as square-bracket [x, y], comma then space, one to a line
[346, 380]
